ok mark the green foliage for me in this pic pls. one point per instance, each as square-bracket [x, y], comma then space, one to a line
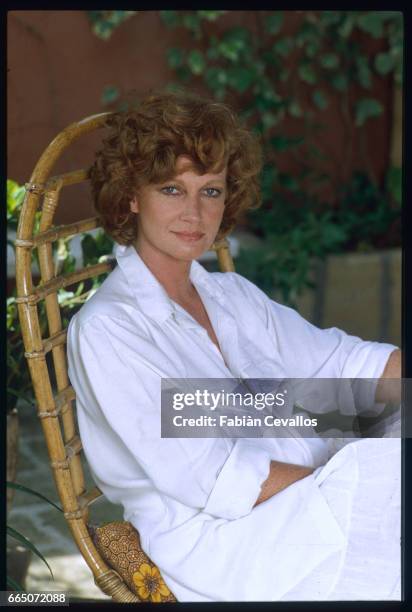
[23, 489]
[105, 22]
[18, 379]
[367, 108]
[394, 184]
[95, 249]
[333, 65]
[15, 196]
[288, 252]
[297, 231]
[21, 539]
[251, 67]
[15, 586]
[110, 94]
[366, 213]
[175, 57]
[327, 52]
[196, 61]
[191, 20]
[320, 99]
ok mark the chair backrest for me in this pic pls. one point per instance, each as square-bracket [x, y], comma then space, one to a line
[55, 401]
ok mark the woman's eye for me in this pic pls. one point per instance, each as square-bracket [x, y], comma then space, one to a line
[212, 192]
[170, 190]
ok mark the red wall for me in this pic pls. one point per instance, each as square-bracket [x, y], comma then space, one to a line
[57, 69]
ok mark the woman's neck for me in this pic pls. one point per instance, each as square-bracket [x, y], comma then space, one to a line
[172, 274]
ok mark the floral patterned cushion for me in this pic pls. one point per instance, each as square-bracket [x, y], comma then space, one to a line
[119, 545]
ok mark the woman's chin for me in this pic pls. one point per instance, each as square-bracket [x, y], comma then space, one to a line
[190, 251]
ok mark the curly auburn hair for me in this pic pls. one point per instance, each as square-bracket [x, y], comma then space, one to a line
[144, 143]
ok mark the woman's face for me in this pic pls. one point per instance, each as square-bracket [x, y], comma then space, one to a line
[179, 218]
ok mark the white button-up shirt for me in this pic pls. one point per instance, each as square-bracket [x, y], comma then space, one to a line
[192, 500]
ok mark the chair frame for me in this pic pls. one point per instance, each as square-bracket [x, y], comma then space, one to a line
[63, 441]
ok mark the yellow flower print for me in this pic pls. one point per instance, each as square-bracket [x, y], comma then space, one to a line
[149, 583]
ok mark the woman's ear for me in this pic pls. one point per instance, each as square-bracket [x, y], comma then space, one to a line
[134, 205]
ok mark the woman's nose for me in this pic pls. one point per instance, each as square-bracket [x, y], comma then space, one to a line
[191, 208]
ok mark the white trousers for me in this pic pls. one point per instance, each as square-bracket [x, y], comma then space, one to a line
[361, 483]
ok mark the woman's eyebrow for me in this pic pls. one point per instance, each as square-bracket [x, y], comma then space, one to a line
[216, 181]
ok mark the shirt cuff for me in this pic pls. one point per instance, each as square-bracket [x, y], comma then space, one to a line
[368, 359]
[239, 482]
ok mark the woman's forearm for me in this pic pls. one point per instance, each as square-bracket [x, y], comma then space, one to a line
[281, 475]
[389, 386]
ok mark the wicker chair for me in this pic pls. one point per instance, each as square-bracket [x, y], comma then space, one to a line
[55, 405]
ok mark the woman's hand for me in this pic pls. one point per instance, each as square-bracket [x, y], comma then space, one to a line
[388, 390]
[281, 475]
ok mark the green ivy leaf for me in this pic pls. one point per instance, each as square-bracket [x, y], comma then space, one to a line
[320, 99]
[284, 46]
[109, 95]
[229, 51]
[308, 33]
[384, 63]
[105, 22]
[269, 120]
[346, 27]
[175, 57]
[240, 78]
[294, 109]
[196, 61]
[329, 61]
[215, 77]
[235, 42]
[274, 22]
[307, 74]
[170, 18]
[363, 72]
[191, 21]
[372, 23]
[339, 81]
[367, 108]
[210, 15]
[311, 49]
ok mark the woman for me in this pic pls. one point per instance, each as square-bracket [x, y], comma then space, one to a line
[224, 519]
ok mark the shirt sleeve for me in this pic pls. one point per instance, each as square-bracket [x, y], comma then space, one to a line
[118, 391]
[307, 351]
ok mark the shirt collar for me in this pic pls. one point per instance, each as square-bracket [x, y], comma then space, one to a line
[149, 293]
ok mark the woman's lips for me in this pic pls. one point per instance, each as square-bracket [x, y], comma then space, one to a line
[189, 236]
